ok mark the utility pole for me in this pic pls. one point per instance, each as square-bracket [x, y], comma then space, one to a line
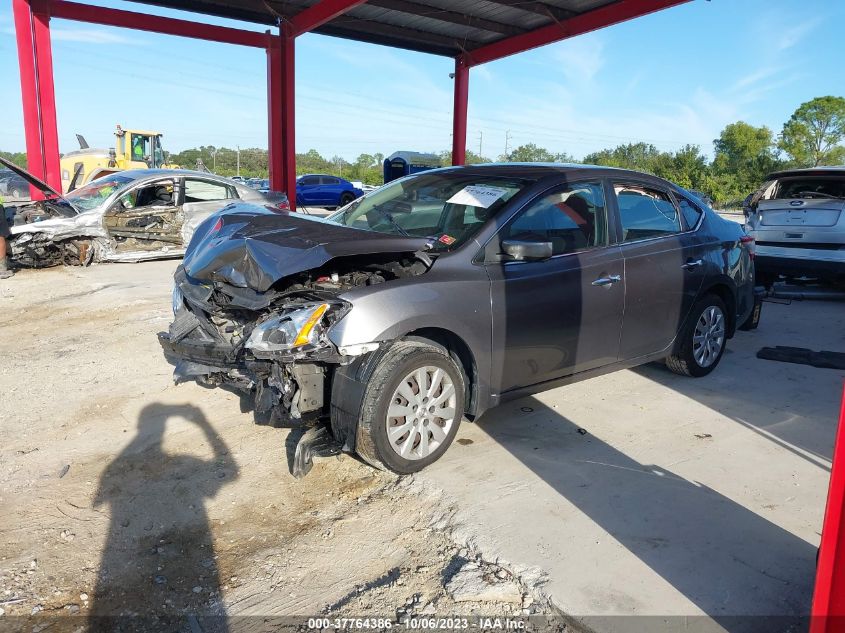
[507, 141]
[480, 139]
[239, 160]
[214, 160]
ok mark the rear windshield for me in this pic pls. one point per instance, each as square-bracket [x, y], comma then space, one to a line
[830, 187]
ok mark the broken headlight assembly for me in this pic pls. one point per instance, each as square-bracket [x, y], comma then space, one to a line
[302, 328]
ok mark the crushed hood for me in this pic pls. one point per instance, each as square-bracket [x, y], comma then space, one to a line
[250, 247]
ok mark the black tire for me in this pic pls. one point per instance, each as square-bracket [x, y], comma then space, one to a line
[683, 361]
[346, 198]
[767, 280]
[371, 441]
[753, 319]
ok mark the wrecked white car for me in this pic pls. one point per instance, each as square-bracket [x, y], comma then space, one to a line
[128, 216]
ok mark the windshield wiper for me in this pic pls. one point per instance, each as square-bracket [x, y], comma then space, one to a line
[386, 214]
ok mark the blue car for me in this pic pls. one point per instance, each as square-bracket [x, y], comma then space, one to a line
[321, 190]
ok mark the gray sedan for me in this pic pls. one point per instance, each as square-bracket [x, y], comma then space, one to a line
[446, 293]
[128, 216]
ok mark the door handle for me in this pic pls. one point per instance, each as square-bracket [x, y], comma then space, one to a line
[607, 281]
[692, 264]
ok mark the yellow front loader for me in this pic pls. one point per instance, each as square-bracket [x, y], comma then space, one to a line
[133, 149]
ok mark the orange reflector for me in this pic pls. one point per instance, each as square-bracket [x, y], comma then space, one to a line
[314, 319]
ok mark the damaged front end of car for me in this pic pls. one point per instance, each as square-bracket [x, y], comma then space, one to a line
[271, 344]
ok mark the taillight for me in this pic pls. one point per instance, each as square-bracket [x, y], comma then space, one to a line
[284, 205]
[217, 225]
[748, 241]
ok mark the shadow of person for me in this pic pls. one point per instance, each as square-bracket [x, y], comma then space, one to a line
[158, 569]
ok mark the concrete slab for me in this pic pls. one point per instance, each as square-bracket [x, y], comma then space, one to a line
[647, 493]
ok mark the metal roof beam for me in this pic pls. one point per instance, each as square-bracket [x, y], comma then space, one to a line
[217, 10]
[444, 15]
[619, 11]
[318, 14]
[539, 8]
[156, 24]
[352, 28]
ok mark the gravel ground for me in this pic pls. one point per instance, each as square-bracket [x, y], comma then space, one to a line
[124, 494]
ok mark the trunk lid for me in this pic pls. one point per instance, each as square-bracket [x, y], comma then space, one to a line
[799, 212]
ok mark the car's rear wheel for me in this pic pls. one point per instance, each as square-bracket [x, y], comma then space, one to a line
[346, 198]
[767, 280]
[702, 342]
[412, 408]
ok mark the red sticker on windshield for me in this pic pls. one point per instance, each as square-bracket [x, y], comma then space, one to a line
[446, 239]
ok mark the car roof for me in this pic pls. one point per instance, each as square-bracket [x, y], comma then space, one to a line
[541, 170]
[327, 175]
[150, 174]
[832, 170]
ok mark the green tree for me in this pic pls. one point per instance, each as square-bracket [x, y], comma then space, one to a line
[638, 156]
[18, 158]
[744, 155]
[471, 158]
[687, 167]
[814, 133]
[531, 153]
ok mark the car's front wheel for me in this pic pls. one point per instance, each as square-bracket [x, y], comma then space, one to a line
[702, 341]
[412, 408]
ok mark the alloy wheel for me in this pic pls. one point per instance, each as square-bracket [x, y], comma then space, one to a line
[421, 412]
[709, 336]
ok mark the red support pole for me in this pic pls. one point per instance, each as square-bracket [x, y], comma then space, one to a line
[280, 112]
[46, 95]
[274, 114]
[828, 611]
[459, 113]
[288, 118]
[29, 90]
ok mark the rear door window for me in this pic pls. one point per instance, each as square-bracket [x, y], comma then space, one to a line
[690, 212]
[645, 212]
[205, 191]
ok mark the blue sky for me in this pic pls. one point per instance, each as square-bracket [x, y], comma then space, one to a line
[675, 77]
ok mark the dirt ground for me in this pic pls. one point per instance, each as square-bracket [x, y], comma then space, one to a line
[124, 494]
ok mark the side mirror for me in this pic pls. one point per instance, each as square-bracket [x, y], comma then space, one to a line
[527, 251]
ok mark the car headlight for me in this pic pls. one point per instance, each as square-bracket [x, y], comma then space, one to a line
[178, 299]
[300, 328]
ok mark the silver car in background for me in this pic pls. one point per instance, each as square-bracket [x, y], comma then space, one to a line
[128, 216]
[797, 219]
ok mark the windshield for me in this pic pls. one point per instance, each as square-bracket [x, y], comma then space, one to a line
[448, 207]
[810, 188]
[93, 194]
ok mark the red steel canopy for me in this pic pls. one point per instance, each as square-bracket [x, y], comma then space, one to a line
[473, 32]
